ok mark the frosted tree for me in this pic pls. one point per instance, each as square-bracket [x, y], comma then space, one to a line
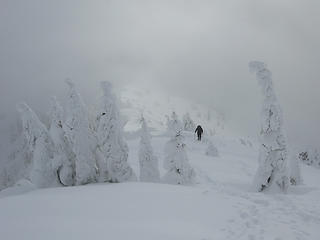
[304, 157]
[176, 162]
[149, 169]
[315, 157]
[272, 173]
[64, 157]
[4, 178]
[211, 150]
[79, 135]
[19, 159]
[114, 166]
[39, 147]
[310, 157]
[174, 124]
[188, 124]
[295, 173]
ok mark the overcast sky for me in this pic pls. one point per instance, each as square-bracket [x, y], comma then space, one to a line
[196, 49]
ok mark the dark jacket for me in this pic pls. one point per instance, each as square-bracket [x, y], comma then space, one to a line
[199, 130]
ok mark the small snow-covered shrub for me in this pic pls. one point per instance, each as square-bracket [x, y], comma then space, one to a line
[188, 124]
[310, 157]
[176, 162]
[174, 125]
[295, 173]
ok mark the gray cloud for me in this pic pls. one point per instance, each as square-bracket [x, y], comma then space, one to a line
[197, 49]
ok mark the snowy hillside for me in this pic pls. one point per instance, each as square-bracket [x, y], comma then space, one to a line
[157, 106]
[211, 195]
[220, 205]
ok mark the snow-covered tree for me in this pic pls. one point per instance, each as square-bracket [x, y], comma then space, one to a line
[17, 165]
[114, 166]
[79, 135]
[304, 157]
[4, 179]
[212, 150]
[315, 157]
[64, 157]
[188, 124]
[39, 147]
[272, 172]
[295, 173]
[176, 162]
[310, 157]
[174, 125]
[149, 169]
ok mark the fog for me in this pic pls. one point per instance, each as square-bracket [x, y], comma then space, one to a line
[196, 49]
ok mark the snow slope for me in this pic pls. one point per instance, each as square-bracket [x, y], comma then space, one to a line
[156, 106]
[220, 205]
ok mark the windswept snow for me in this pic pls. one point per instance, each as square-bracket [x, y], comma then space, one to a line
[157, 107]
[221, 204]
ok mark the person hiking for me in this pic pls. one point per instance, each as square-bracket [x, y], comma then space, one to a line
[199, 132]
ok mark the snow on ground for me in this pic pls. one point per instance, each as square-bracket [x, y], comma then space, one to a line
[220, 205]
[156, 106]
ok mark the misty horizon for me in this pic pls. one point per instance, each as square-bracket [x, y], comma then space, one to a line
[197, 50]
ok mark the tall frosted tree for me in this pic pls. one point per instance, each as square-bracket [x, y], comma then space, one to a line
[80, 136]
[114, 166]
[176, 162]
[39, 146]
[272, 173]
[64, 157]
[149, 168]
[188, 124]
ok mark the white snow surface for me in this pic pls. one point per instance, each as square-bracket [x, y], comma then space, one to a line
[157, 107]
[220, 205]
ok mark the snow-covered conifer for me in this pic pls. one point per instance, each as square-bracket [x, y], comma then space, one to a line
[176, 162]
[80, 137]
[114, 166]
[174, 125]
[64, 157]
[149, 169]
[304, 157]
[39, 147]
[212, 150]
[295, 173]
[272, 172]
[188, 124]
[310, 157]
[315, 157]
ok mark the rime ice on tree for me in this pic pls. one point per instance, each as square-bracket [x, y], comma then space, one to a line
[176, 162]
[295, 173]
[64, 157]
[149, 169]
[272, 172]
[80, 137]
[110, 140]
[41, 171]
[174, 124]
[188, 124]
